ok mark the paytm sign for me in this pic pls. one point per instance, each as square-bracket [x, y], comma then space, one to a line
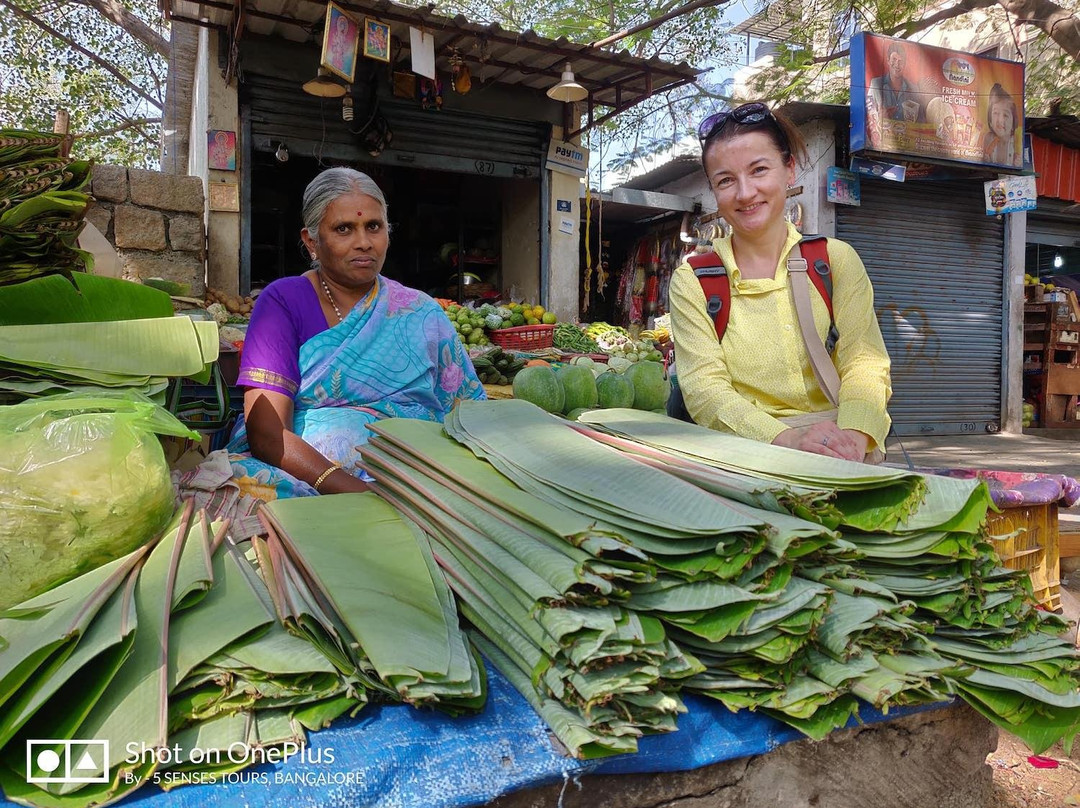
[569, 158]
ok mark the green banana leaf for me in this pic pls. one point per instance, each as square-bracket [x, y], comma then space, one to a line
[162, 346]
[87, 298]
[389, 583]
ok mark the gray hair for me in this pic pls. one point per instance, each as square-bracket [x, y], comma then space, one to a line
[331, 184]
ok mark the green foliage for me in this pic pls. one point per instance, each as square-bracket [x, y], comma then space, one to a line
[803, 71]
[40, 73]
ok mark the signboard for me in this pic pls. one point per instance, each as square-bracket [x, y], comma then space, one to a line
[568, 158]
[1010, 194]
[843, 186]
[874, 168]
[922, 101]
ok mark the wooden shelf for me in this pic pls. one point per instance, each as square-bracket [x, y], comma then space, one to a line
[1055, 382]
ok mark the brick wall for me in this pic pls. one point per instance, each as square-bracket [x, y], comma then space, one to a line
[155, 222]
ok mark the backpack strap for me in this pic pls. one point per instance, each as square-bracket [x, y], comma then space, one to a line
[712, 275]
[815, 251]
[824, 370]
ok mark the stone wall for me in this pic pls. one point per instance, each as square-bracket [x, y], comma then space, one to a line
[155, 222]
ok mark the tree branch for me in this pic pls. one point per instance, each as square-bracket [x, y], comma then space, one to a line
[908, 28]
[106, 132]
[114, 11]
[77, 47]
[1059, 24]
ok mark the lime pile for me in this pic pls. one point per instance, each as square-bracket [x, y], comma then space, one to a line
[469, 324]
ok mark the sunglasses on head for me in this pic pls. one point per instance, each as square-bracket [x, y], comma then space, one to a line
[752, 113]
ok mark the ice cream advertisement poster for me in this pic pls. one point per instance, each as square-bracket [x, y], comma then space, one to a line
[1010, 195]
[923, 101]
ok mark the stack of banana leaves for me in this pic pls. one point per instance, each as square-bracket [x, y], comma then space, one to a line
[788, 583]
[544, 588]
[41, 207]
[342, 592]
[189, 645]
[83, 357]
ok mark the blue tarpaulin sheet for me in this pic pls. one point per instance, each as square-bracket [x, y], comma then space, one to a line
[393, 756]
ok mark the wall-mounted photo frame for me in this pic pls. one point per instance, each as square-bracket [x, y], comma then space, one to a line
[341, 38]
[376, 40]
[221, 150]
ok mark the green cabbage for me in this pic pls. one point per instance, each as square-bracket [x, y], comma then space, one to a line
[82, 481]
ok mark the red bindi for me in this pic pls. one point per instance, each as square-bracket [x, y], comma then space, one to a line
[359, 213]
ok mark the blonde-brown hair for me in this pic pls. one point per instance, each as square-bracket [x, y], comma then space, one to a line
[784, 134]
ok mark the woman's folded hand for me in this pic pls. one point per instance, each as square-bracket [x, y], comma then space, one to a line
[825, 438]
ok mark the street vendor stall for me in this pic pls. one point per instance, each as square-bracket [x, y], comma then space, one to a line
[514, 597]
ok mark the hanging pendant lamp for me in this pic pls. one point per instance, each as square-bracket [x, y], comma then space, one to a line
[324, 86]
[568, 90]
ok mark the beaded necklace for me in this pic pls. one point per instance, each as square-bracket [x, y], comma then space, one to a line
[329, 296]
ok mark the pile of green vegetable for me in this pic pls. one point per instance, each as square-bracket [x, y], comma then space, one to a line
[82, 482]
[569, 337]
[497, 366]
[41, 207]
[582, 385]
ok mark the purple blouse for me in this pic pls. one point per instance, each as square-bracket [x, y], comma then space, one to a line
[287, 314]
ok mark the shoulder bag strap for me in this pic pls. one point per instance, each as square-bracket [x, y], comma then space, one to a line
[824, 370]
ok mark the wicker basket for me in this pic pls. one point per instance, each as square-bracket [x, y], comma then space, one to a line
[524, 337]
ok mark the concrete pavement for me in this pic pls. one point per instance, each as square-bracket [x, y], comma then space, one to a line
[1001, 452]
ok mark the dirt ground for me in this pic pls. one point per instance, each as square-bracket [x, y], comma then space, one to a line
[1018, 783]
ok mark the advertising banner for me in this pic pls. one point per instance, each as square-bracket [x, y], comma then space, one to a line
[842, 186]
[1010, 195]
[922, 101]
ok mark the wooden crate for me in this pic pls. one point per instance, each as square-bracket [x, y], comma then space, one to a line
[1026, 538]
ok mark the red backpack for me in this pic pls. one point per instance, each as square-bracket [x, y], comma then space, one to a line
[712, 275]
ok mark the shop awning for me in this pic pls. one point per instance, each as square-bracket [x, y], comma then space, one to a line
[615, 80]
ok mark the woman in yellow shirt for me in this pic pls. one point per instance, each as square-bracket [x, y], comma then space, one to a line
[758, 381]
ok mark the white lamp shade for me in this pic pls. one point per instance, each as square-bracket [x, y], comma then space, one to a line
[568, 90]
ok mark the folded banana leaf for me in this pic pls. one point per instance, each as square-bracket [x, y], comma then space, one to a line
[44, 641]
[871, 498]
[115, 350]
[18, 145]
[423, 446]
[87, 298]
[387, 597]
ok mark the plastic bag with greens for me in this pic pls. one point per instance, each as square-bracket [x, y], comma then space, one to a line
[83, 480]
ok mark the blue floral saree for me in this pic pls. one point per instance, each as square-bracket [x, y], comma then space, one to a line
[395, 355]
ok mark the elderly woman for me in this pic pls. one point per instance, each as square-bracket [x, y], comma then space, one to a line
[334, 349]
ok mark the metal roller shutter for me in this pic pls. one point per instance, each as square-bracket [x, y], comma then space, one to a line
[937, 265]
[451, 141]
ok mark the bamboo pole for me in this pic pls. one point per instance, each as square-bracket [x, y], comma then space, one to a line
[62, 126]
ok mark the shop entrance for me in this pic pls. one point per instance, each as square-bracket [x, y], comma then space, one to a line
[440, 221]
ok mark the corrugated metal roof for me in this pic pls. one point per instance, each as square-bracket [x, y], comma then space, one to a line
[775, 22]
[1064, 129]
[1057, 169]
[674, 169]
[614, 79]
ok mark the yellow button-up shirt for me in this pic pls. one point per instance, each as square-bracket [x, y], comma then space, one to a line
[761, 371]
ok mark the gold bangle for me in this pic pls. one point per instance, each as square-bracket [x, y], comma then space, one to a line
[322, 477]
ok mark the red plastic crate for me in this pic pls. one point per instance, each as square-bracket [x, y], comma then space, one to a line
[524, 337]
